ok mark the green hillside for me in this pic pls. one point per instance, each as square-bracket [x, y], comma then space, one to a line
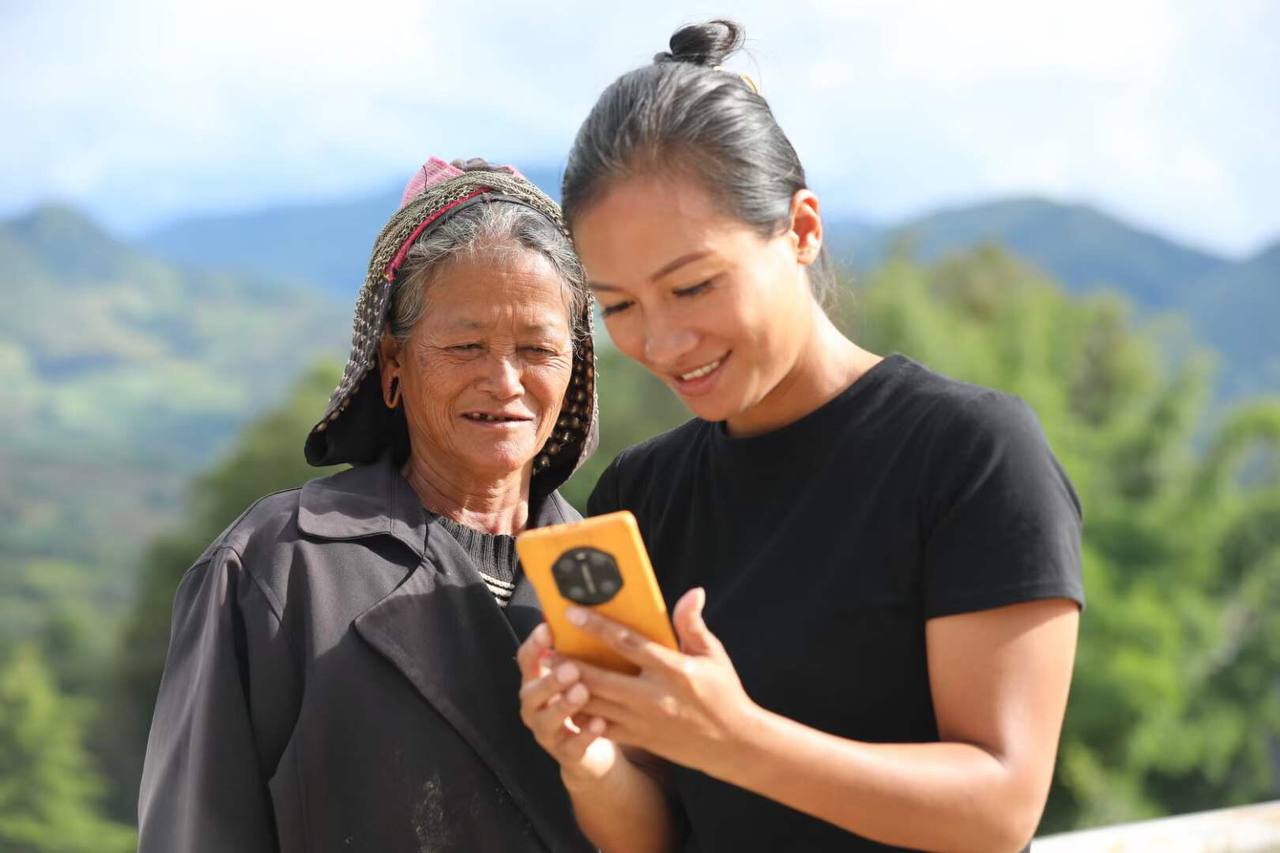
[1173, 705]
[1236, 310]
[123, 375]
[323, 244]
[1229, 305]
[148, 403]
[1079, 245]
[1086, 249]
[124, 368]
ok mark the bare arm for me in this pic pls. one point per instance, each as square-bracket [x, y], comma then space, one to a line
[626, 810]
[999, 680]
[617, 798]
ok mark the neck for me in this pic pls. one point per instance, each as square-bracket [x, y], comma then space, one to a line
[494, 505]
[827, 364]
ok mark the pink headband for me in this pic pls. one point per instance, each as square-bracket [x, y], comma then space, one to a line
[432, 172]
[436, 171]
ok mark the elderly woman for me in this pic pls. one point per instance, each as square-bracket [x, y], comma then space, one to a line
[340, 672]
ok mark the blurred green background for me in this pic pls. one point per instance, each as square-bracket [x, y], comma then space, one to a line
[127, 453]
[172, 328]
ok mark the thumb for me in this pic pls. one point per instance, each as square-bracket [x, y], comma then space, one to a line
[694, 635]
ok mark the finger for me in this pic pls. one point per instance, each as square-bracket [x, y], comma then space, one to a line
[635, 647]
[535, 694]
[623, 736]
[549, 723]
[618, 687]
[610, 712]
[552, 724]
[533, 650]
[575, 746]
[694, 635]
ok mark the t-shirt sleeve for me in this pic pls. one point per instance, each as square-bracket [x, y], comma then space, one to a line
[604, 497]
[1003, 521]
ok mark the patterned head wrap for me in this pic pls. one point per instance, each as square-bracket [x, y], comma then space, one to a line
[357, 426]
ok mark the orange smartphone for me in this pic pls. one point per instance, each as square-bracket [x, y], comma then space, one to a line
[599, 563]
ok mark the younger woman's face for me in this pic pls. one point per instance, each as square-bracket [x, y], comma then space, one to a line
[714, 310]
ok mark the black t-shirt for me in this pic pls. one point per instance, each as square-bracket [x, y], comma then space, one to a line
[824, 546]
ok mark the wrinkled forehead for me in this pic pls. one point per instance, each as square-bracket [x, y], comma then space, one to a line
[501, 319]
[519, 290]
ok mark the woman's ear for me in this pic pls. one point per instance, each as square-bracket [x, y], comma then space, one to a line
[389, 369]
[806, 226]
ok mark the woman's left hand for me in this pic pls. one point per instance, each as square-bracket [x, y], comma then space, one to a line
[686, 706]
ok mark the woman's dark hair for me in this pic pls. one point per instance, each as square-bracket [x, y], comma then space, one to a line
[684, 113]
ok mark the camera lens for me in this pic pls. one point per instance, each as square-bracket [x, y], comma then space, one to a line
[587, 576]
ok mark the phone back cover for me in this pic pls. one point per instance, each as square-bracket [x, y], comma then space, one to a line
[638, 604]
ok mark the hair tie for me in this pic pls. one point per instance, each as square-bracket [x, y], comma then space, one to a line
[742, 75]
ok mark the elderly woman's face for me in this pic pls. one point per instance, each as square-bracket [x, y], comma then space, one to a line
[485, 370]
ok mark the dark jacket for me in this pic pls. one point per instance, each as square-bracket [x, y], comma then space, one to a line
[340, 678]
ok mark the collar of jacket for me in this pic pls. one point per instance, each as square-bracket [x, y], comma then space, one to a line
[375, 500]
[366, 500]
[443, 631]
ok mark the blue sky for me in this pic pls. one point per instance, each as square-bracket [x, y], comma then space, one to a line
[141, 111]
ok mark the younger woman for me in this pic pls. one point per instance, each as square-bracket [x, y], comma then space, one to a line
[874, 569]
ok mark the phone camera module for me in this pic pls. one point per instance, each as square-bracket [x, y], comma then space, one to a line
[587, 576]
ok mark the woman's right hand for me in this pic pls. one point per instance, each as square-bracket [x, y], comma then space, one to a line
[551, 695]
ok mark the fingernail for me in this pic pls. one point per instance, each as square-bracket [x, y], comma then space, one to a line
[566, 673]
[576, 616]
[543, 634]
[577, 694]
[596, 726]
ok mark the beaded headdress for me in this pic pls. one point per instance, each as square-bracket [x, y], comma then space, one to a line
[357, 426]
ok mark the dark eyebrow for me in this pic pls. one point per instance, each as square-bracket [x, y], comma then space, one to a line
[667, 270]
[679, 262]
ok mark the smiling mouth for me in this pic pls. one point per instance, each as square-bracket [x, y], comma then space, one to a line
[698, 373]
[485, 418]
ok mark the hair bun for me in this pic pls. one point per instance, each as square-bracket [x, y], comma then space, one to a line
[703, 44]
[476, 164]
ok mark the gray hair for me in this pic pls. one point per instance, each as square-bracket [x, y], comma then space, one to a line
[683, 113]
[478, 230]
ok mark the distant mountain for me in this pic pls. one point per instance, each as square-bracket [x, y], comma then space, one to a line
[1231, 305]
[1236, 309]
[853, 243]
[1079, 245]
[127, 367]
[1086, 249]
[122, 346]
[59, 241]
[122, 375]
[325, 243]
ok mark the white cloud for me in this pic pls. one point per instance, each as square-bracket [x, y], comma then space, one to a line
[142, 109]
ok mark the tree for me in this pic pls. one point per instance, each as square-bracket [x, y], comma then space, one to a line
[634, 405]
[49, 792]
[266, 457]
[1174, 704]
